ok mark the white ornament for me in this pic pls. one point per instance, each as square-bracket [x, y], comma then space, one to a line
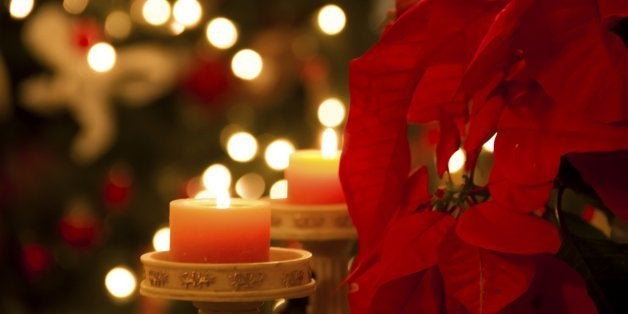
[141, 74]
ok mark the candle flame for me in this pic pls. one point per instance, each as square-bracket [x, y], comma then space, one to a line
[329, 144]
[223, 199]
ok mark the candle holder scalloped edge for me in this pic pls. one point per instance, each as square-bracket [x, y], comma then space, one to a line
[286, 275]
[311, 222]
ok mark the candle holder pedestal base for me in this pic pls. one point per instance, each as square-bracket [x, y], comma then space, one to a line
[327, 232]
[228, 288]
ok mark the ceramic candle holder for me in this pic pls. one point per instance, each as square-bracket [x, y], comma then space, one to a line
[325, 230]
[229, 287]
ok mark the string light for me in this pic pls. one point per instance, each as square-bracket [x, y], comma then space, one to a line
[118, 24]
[187, 12]
[221, 33]
[161, 239]
[279, 190]
[242, 146]
[20, 9]
[120, 282]
[101, 57]
[156, 12]
[331, 19]
[75, 6]
[216, 178]
[277, 154]
[489, 146]
[247, 64]
[331, 112]
[250, 186]
[457, 160]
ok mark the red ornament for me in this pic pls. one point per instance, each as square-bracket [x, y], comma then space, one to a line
[86, 32]
[117, 189]
[80, 228]
[35, 260]
[209, 80]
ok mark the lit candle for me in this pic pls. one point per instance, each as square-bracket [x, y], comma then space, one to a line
[312, 175]
[217, 231]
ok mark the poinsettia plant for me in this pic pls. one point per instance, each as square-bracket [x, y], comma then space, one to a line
[550, 78]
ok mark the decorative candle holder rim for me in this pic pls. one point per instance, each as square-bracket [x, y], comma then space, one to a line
[164, 259]
[285, 204]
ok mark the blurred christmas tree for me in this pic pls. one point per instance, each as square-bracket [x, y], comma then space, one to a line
[110, 109]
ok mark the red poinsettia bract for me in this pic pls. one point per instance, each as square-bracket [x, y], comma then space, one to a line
[551, 79]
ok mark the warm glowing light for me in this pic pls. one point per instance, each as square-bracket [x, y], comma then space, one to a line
[75, 6]
[331, 112]
[489, 146]
[205, 194]
[156, 12]
[242, 146]
[247, 64]
[250, 186]
[161, 239]
[118, 24]
[279, 189]
[216, 178]
[331, 19]
[277, 154]
[120, 282]
[20, 9]
[457, 160]
[221, 33]
[329, 143]
[101, 57]
[176, 28]
[223, 199]
[187, 12]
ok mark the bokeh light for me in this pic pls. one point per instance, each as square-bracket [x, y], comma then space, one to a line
[247, 64]
[242, 146]
[75, 6]
[176, 28]
[221, 33]
[101, 57]
[156, 12]
[161, 239]
[187, 12]
[277, 154]
[331, 19]
[120, 282]
[457, 160]
[250, 186]
[216, 178]
[118, 24]
[331, 112]
[489, 146]
[279, 190]
[20, 9]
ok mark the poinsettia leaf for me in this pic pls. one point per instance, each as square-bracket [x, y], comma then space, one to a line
[612, 8]
[417, 293]
[580, 63]
[482, 280]
[416, 192]
[523, 198]
[375, 160]
[496, 51]
[534, 132]
[607, 174]
[437, 91]
[422, 231]
[494, 226]
[482, 126]
[556, 288]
